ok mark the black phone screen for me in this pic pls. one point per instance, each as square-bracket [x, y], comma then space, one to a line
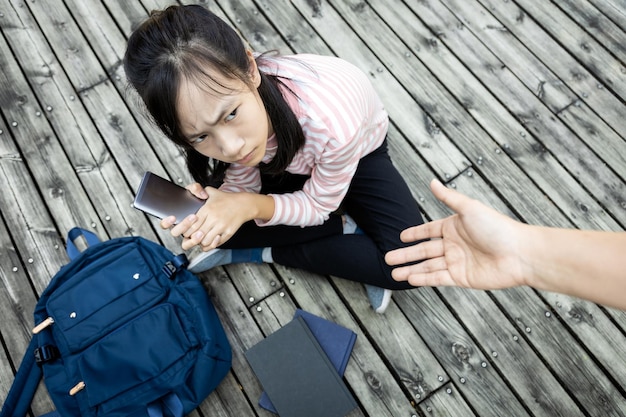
[161, 198]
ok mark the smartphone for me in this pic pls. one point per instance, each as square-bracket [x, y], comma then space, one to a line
[161, 198]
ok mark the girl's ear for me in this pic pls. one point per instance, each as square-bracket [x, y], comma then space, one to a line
[254, 74]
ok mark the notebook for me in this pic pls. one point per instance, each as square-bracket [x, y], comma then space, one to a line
[336, 341]
[297, 375]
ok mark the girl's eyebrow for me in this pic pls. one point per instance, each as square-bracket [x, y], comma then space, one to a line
[225, 109]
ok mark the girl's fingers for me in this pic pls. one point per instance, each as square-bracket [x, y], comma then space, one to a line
[168, 222]
[193, 240]
[185, 226]
[197, 190]
[212, 240]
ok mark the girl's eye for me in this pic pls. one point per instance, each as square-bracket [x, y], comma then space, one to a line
[197, 140]
[231, 116]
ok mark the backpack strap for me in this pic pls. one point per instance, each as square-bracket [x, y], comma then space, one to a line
[91, 239]
[24, 386]
[170, 403]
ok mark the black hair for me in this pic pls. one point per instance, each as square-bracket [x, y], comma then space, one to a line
[187, 42]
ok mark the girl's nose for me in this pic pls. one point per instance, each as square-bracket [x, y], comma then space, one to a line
[230, 145]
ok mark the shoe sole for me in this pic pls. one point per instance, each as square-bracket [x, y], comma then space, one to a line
[385, 303]
[199, 258]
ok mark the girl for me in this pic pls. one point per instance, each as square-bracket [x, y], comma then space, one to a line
[280, 147]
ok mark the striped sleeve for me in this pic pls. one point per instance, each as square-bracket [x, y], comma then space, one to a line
[343, 120]
[240, 179]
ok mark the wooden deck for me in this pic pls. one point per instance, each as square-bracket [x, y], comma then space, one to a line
[520, 103]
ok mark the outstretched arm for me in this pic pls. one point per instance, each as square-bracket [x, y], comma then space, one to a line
[481, 248]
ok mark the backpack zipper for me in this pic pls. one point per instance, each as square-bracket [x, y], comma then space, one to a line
[47, 322]
[78, 387]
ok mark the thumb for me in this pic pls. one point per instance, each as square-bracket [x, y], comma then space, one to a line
[451, 198]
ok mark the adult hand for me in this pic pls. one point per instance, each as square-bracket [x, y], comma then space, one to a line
[477, 247]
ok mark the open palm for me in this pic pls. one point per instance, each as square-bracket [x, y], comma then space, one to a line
[476, 248]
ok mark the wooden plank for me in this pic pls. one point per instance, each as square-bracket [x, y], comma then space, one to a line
[242, 332]
[446, 402]
[17, 303]
[586, 381]
[614, 9]
[227, 400]
[65, 38]
[523, 369]
[62, 106]
[118, 127]
[39, 156]
[104, 36]
[494, 67]
[600, 137]
[127, 145]
[594, 56]
[125, 15]
[109, 44]
[415, 171]
[593, 21]
[255, 282]
[415, 366]
[6, 372]
[596, 331]
[462, 358]
[17, 298]
[81, 142]
[529, 153]
[33, 236]
[565, 64]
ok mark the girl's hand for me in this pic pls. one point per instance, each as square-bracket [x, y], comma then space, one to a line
[169, 222]
[217, 221]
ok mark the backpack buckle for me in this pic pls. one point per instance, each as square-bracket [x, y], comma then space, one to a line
[172, 267]
[169, 269]
[46, 353]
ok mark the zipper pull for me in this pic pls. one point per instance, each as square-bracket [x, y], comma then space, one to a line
[78, 387]
[47, 322]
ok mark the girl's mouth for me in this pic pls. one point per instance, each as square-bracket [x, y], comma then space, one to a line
[246, 159]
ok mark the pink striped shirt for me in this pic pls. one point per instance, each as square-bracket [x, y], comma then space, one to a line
[343, 119]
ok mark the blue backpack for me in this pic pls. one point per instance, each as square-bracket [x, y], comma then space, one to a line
[122, 330]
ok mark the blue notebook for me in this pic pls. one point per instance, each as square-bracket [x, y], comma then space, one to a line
[336, 341]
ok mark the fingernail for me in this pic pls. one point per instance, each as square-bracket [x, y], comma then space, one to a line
[198, 235]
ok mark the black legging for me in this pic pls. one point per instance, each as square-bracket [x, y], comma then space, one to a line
[380, 202]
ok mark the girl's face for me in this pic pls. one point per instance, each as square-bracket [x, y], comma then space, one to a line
[232, 126]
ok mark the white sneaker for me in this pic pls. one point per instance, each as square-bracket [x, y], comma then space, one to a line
[379, 298]
[210, 259]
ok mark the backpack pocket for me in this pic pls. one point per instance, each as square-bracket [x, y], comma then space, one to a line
[103, 296]
[148, 347]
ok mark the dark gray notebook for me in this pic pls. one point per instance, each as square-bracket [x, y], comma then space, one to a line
[297, 375]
